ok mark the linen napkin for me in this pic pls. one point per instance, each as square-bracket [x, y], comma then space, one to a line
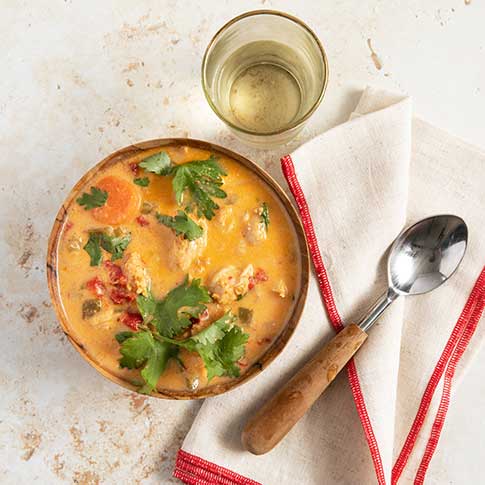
[356, 187]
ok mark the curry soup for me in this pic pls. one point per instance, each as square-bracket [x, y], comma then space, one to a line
[176, 279]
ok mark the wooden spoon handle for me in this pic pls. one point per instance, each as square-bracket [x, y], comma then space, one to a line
[278, 415]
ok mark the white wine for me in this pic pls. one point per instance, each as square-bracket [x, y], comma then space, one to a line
[265, 98]
[264, 73]
[261, 86]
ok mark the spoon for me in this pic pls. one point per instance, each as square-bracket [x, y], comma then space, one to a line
[421, 258]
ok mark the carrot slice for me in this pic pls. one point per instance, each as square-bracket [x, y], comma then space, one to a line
[123, 201]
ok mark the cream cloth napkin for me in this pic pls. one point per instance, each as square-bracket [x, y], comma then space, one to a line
[364, 181]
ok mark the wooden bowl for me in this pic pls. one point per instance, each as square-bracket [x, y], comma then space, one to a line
[282, 339]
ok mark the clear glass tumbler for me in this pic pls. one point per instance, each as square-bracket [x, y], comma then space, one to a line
[264, 73]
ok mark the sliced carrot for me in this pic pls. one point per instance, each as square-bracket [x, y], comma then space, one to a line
[123, 201]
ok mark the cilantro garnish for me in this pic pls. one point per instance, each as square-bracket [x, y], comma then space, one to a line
[171, 315]
[220, 345]
[182, 224]
[115, 245]
[265, 215]
[158, 163]
[142, 350]
[93, 248]
[97, 198]
[142, 182]
[200, 178]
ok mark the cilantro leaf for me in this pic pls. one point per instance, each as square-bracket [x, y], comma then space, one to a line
[142, 182]
[141, 349]
[115, 245]
[220, 346]
[202, 179]
[158, 163]
[265, 215]
[182, 224]
[97, 198]
[171, 315]
[122, 336]
[93, 248]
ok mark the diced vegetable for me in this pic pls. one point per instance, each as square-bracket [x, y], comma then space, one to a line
[75, 243]
[121, 295]
[131, 320]
[134, 168]
[142, 221]
[96, 287]
[115, 273]
[245, 315]
[261, 276]
[147, 207]
[264, 212]
[91, 307]
[123, 201]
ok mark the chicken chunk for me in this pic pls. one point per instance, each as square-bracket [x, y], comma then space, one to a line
[225, 218]
[183, 253]
[281, 289]
[229, 284]
[254, 228]
[137, 274]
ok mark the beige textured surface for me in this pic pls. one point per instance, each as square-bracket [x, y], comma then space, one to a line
[82, 78]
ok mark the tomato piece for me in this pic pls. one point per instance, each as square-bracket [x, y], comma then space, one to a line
[96, 287]
[116, 275]
[261, 276]
[131, 319]
[123, 201]
[121, 295]
[69, 225]
[142, 221]
[134, 168]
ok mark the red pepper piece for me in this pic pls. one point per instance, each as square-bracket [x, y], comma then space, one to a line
[131, 319]
[142, 221]
[121, 295]
[96, 287]
[134, 168]
[261, 276]
[116, 276]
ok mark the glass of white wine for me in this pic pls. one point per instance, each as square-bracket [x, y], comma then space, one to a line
[264, 73]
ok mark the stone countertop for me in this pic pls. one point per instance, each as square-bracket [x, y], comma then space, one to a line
[83, 78]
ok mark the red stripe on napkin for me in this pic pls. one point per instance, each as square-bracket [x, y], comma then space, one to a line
[452, 353]
[329, 302]
[194, 470]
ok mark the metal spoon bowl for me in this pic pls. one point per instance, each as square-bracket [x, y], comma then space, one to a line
[421, 258]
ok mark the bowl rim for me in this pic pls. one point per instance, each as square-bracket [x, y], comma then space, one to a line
[281, 341]
[302, 119]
